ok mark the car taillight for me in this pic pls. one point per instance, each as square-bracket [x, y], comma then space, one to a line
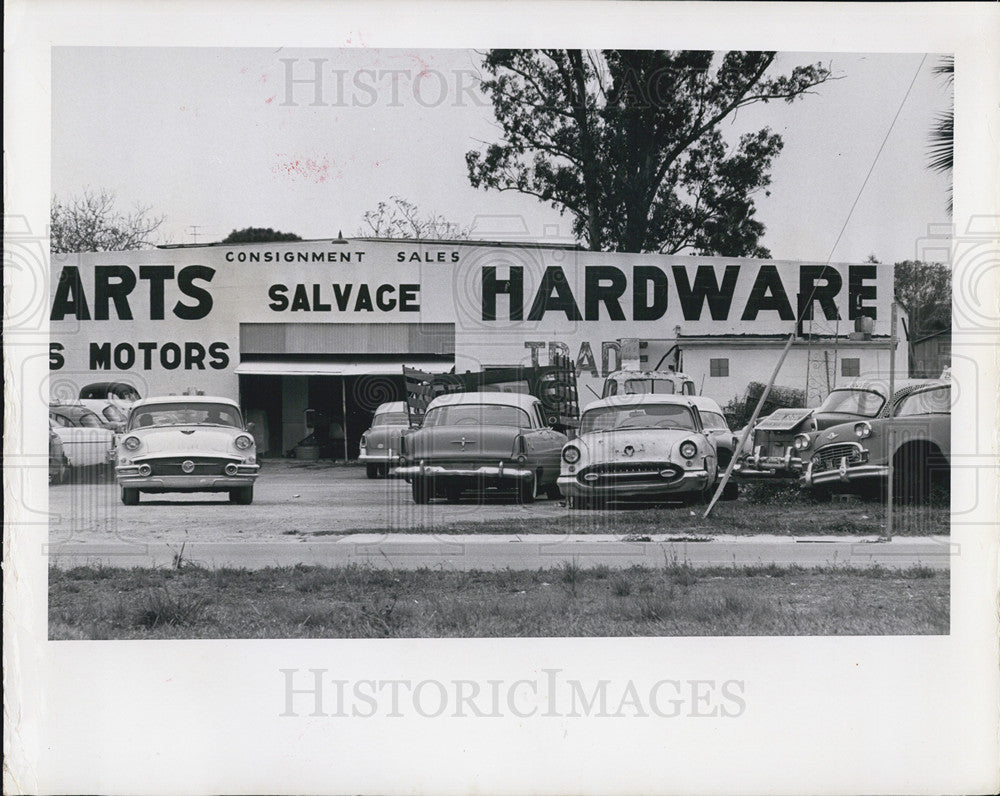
[520, 449]
[364, 441]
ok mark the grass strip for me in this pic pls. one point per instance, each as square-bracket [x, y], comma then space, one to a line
[358, 601]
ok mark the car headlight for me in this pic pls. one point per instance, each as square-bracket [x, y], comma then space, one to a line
[862, 430]
[131, 443]
[243, 442]
[688, 449]
[571, 454]
[801, 442]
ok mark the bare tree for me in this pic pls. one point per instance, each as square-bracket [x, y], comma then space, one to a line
[399, 218]
[92, 222]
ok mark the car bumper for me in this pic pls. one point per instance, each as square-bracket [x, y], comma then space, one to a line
[378, 457]
[499, 472]
[844, 474]
[690, 481]
[769, 467]
[128, 476]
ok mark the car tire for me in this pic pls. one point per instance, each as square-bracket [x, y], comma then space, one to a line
[241, 495]
[423, 489]
[698, 498]
[526, 490]
[731, 490]
[59, 475]
[820, 495]
[371, 470]
[130, 497]
[914, 468]
[552, 492]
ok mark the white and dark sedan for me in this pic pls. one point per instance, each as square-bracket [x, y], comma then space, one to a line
[379, 447]
[186, 444]
[86, 441]
[639, 447]
[479, 441]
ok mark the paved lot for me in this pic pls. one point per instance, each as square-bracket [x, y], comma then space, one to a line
[289, 498]
[313, 513]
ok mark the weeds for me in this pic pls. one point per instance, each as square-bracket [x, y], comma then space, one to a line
[362, 602]
[571, 574]
[678, 572]
[157, 607]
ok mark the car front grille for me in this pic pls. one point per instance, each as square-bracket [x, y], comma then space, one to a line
[202, 465]
[629, 473]
[831, 455]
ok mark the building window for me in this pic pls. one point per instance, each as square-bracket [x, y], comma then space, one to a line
[850, 366]
[718, 367]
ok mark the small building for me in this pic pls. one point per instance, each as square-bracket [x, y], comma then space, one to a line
[930, 355]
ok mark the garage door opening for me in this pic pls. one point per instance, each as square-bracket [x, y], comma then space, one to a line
[289, 404]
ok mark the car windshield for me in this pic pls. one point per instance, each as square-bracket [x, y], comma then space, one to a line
[650, 387]
[391, 419]
[865, 403]
[925, 402]
[477, 415]
[713, 421]
[607, 418]
[179, 413]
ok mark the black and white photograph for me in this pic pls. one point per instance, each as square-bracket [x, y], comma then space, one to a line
[572, 369]
[420, 384]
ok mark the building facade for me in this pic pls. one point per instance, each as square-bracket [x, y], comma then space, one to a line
[327, 325]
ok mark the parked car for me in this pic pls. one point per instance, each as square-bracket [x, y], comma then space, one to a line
[629, 381]
[482, 440]
[110, 401]
[186, 443]
[86, 441]
[58, 463]
[770, 452]
[713, 421]
[914, 434]
[379, 447]
[639, 447]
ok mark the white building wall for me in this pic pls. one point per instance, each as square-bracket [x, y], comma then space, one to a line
[747, 364]
[169, 319]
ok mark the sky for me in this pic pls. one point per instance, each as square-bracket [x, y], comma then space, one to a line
[217, 139]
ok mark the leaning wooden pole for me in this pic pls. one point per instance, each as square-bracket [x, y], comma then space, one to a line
[749, 428]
